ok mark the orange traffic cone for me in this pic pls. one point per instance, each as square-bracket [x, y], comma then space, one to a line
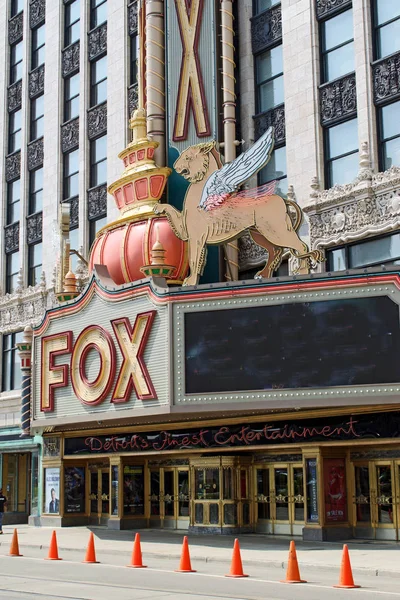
[53, 550]
[293, 573]
[136, 561]
[185, 565]
[236, 564]
[346, 576]
[90, 552]
[14, 548]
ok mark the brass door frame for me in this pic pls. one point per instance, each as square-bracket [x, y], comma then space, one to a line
[162, 497]
[101, 494]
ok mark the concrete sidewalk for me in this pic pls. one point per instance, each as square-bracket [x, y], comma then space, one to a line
[374, 558]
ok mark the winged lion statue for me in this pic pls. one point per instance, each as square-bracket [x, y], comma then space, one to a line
[215, 212]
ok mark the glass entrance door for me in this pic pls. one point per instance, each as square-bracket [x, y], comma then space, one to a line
[99, 495]
[280, 499]
[169, 497]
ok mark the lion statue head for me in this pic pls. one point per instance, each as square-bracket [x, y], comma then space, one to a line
[193, 163]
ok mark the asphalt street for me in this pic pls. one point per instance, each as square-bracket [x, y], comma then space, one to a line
[26, 578]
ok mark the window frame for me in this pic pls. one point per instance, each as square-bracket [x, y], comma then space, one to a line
[324, 53]
[328, 159]
[93, 13]
[33, 192]
[12, 133]
[381, 140]
[33, 267]
[10, 204]
[133, 67]
[34, 121]
[9, 274]
[346, 248]
[68, 27]
[93, 164]
[66, 177]
[14, 64]
[93, 228]
[11, 351]
[14, 6]
[376, 29]
[69, 99]
[94, 85]
[35, 49]
[258, 84]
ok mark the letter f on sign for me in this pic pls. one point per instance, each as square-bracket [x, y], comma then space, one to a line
[132, 343]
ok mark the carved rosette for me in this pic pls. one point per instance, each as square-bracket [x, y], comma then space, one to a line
[338, 99]
[97, 41]
[37, 13]
[326, 8]
[36, 82]
[133, 18]
[35, 154]
[274, 118]
[15, 96]
[250, 254]
[15, 28]
[386, 78]
[97, 121]
[266, 29]
[13, 166]
[97, 202]
[11, 238]
[70, 135]
[34, 225]
[133, 98]
[70, 59]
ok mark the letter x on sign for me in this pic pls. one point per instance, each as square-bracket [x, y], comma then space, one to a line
[191, 88]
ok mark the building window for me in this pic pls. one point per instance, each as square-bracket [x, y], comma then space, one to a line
[98, 12]
[71, 175]
[262, 5]
[12, 269]
[14, 134]
[11, 378]
[337, 46]
[134, 58]
[38, 46]
[387, 27]
[94, 228]
[98, 81]
[369, 253]
[389, 126]
[269, 79]
[341, 153]
[13, 201]
[16, 7]
[72, 25]
[71, 91]
[74, 245]
[34, 263]
[36, 191]
[275, 170]
[16, 55]
[98, 161]
[37, 117]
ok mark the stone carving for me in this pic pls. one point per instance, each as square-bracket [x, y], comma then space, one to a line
[133, 98]
[70, 59]
[13, 166]
[250, 254]
[97, 202]
[11, 237]
[266, 28]
[70, 135]
[15, 96]
[97, 41]
[37, 13]
[15, 28]
[35, 154]
[338, 99]
[133, 18]
[274, 118]
[327, 7]
[36, 82]
[74, 212]
[97, 120]
[24, 307]
[34, 228]
[386, 78]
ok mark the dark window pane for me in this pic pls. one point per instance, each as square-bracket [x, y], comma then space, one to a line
[374, 251]
[269, 64]
[37, 180]
[16, 53]
[261, 5]
[72, 86]
[391, 153]
[99, 173]
[16, 7]
[94, 227]
[276, 167]
[72, 109]
[99, 15]
[99, 149]
[271, 94]
[339, 62]
[342, 138]
[72, 12]
[100, 93]
[99, 69]
[389, 39]
[35, 264]
[72, 186]
[343, 170]
[337, 260]
[72, 162]
[337, 30]
[38, 107]
[386, 10]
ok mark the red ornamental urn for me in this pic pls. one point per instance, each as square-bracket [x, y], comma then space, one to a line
[125, 245]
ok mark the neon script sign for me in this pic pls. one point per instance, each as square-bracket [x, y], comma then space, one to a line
[132, 375]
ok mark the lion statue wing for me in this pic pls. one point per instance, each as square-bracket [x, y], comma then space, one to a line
[230, 177]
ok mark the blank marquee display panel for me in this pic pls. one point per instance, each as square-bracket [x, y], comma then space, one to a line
[299, 345]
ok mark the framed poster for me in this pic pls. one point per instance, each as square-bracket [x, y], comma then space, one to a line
[74, 490]
[52, 490]
[335, 490]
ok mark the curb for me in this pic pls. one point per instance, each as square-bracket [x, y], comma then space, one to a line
[208, 559]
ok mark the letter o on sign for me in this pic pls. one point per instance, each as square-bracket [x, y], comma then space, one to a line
[92, 338]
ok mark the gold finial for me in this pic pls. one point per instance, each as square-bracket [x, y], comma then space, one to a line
[70, 283]
[137, 124]
[157, 266]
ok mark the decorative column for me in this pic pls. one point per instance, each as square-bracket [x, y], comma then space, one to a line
[155, 75]
[25, 353]
[229, 118]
